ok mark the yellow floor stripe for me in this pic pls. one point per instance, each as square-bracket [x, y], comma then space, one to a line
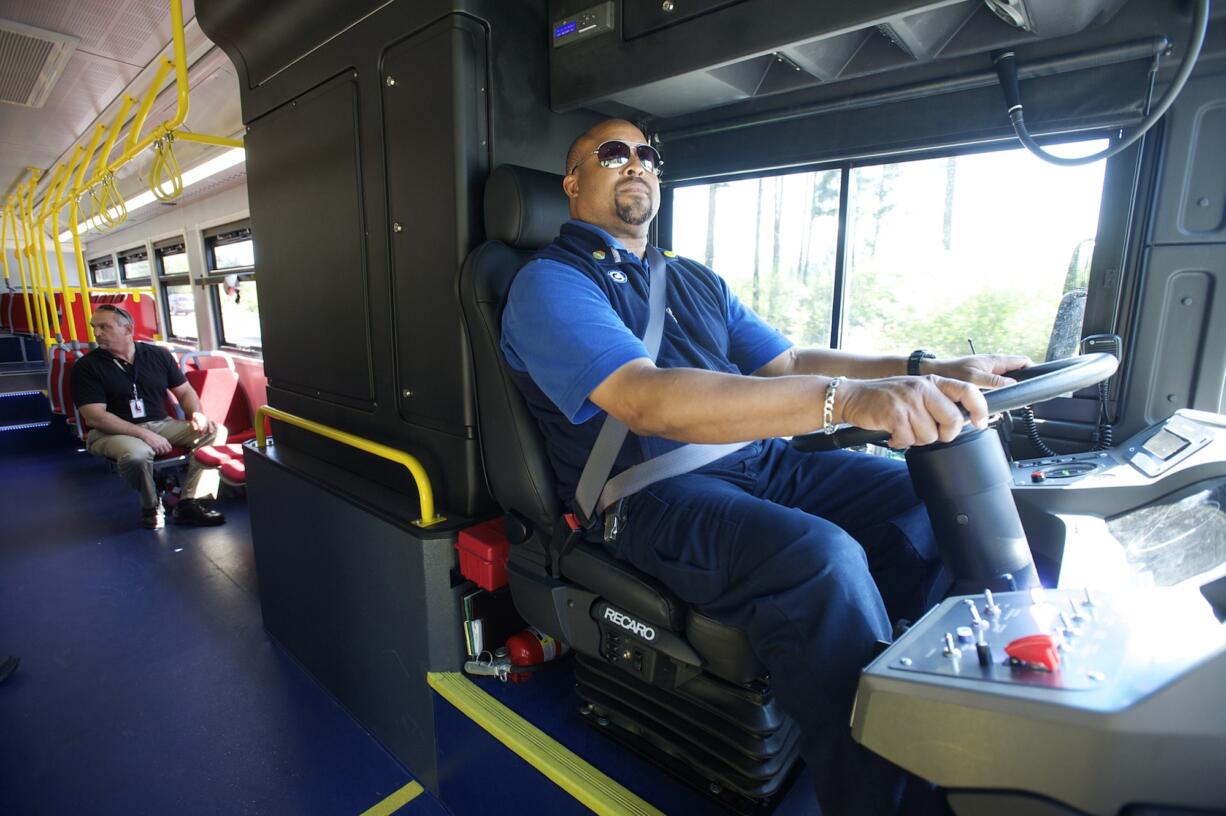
[595, 790]
[396, 801]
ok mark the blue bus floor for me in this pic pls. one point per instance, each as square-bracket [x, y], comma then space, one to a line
[548, 701]
[147, 683]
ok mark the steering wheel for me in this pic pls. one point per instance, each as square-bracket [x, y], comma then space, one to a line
[1035, 384]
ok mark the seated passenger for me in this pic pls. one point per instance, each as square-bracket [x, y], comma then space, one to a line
[120, 390]
[812, 555]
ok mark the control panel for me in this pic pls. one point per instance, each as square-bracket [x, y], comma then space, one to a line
[1093, 700]
[1059, 470]
[1150, 453]
[1046, 638]
[582, 26]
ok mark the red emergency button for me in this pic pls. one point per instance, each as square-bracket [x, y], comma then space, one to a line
[1038, 476]
[1035, 650]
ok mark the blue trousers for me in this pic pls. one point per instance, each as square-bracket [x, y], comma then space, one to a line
[813, 556]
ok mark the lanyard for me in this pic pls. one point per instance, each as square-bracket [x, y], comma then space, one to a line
[135, 395]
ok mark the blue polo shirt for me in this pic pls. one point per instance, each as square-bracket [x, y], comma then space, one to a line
[575, 314]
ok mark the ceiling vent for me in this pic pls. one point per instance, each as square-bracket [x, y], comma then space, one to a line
[31, 61]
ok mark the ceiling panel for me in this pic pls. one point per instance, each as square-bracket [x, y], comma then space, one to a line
[118, 41]
[131, 31]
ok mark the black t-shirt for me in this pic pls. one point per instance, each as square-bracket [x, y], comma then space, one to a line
[101, 377]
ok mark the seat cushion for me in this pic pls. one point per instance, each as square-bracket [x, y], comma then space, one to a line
[619, 583]
[234, 472]
[725, 649]
[211, 456]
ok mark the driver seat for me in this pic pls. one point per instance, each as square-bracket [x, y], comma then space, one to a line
[668, 681]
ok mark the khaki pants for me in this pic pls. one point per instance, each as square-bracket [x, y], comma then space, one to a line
[134, 458]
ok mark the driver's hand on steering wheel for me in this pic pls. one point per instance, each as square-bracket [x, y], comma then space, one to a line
[914, 410]
[983, 370]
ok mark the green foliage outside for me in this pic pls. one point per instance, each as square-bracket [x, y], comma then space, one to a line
[928, 264]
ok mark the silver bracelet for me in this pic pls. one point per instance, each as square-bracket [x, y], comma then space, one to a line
[828, 414]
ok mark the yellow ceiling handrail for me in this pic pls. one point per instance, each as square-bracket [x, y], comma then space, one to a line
[151, 94]
[424, 492]
[220, 141]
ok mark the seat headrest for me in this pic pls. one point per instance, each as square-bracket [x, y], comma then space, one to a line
[524, 208]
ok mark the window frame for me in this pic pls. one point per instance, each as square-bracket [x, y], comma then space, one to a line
[232, 233]
[93, 264]
[137, 254]
[165, 281]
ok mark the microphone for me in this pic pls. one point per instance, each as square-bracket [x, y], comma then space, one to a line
[1006, 71]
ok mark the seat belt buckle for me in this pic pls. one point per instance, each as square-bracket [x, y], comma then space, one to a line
[567, 533]
[614, 520]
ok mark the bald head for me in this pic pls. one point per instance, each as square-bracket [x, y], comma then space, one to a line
[588, 140]
[620, 200]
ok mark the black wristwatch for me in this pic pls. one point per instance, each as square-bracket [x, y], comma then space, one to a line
[913, 362]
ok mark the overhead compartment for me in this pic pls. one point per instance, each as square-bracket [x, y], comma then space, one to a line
[676, 57]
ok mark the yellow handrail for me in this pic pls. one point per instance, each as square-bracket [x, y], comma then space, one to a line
[40, 296]
[135, 291]
[64, 172]
[4, 253]
[151, 93]
[424, 491]
[40, 232]
[21, 268]
[185, 136]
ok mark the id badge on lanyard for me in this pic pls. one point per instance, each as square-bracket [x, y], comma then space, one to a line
[136, 405]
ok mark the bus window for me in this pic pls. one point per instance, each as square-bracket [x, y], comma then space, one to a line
[178, 299]
[231, 257]
[981, 247]
[134, 265]
[239, 314]
[990, 247]
[783, 270]
[102, 271]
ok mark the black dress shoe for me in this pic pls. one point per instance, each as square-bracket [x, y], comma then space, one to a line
[191, 511]
[153, 518]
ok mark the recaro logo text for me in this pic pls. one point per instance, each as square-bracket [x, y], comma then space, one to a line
[629, 624]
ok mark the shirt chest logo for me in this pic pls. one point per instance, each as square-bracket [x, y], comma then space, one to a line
[617, 275]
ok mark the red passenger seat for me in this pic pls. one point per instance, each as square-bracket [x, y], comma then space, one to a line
[228, 458]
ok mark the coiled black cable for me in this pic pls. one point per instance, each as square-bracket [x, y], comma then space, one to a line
[1032, 432]
[1104, 434]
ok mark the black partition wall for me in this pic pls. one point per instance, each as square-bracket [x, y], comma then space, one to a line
[371, 130]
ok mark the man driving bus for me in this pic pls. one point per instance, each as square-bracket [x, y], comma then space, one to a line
[120, 390]
[812, 555]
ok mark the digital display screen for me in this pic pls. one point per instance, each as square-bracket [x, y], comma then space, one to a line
[1164, 445]
[564, 29]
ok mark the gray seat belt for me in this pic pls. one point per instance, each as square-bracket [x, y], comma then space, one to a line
[596, 491]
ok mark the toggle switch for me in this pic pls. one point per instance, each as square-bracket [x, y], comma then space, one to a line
[1036, 651]
[982, 649]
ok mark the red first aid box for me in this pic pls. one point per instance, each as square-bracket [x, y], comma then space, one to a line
[483, 554]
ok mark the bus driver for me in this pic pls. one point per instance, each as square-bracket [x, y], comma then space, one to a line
[120, 390]
[812, 555]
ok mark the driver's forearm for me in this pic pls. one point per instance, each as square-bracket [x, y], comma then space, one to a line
[691, 405]
[109, 423]
[837, 363]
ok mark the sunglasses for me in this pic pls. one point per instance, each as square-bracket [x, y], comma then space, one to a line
[616, 153]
